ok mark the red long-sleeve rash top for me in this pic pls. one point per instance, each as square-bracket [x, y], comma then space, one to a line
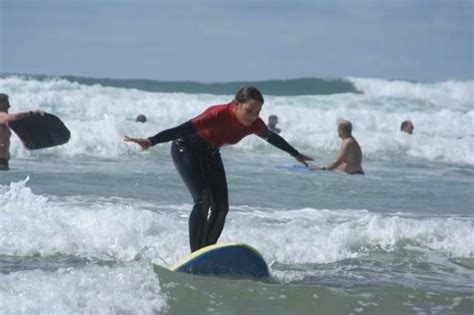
[218, 125]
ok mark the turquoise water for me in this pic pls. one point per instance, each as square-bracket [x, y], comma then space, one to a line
[82, 225]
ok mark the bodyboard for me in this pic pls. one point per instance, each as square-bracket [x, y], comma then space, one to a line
[40, 131]
[298, 168]
[225, 259]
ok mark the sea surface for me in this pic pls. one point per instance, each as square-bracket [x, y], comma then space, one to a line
[83, 225]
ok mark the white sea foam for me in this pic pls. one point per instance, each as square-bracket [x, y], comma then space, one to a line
[133, 288]
[34, 225]
[323, 236]
[99, 117]
[454, 95]
[117, 230]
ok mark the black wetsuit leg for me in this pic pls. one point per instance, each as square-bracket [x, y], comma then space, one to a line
[4, 165]
[216, 178]
[190, 167]
[203, 173]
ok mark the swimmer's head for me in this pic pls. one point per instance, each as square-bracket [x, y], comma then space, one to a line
[344, 128]
[407, 126]
[141, 118]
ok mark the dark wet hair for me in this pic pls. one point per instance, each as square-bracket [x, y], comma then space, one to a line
[4, 98]
[405, 124]
[247, 93]
[141, 118]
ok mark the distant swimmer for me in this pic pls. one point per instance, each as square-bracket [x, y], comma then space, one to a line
[349, 158]
[407, 126]
[195, 152]
[272, 122]
[141, 118]
[5, 132]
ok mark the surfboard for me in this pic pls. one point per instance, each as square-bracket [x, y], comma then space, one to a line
[298, 168]
[236, 259]
[40, 131]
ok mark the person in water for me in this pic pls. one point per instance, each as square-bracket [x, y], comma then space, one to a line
[272, 122]
[349, 158]
[5, 132]
[407, 126]
[195, 152]
[141, 118]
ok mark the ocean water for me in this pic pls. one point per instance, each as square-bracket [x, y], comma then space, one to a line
[83, 225]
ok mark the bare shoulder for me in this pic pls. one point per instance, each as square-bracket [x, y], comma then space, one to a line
[4, 118]
[347, 142]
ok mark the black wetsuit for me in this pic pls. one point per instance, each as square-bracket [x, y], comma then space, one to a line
[200, 166]
[4, 165]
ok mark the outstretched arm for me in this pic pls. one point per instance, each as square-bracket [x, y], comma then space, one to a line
[182, 130]
[278, 141]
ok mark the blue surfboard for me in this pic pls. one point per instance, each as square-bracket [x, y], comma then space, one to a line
[225, 259]
[298, 168]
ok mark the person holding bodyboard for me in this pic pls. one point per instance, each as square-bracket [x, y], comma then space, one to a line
[195, 152]
[36, 129]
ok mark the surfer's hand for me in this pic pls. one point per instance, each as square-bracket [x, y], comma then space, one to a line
[142, 142]
[303, 158]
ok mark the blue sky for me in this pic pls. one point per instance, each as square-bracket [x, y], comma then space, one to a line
[231, 40]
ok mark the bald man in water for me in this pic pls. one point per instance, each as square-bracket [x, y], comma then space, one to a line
[349, 158]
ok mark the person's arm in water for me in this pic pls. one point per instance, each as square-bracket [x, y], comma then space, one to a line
[6, 117]
[278, 141]
[182, 130]
[343, 151]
